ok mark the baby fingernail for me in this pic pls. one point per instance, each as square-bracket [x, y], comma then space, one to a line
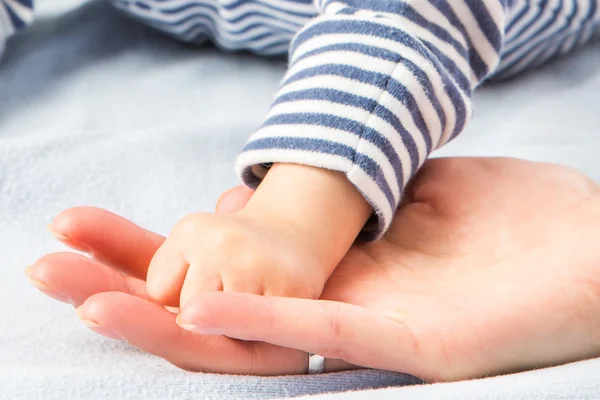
[174, 310]
[99, 329]
[195, 328]
[41, 286]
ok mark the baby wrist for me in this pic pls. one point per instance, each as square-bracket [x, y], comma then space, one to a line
[317, 206]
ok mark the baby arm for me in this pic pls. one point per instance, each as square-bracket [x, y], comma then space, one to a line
[288, 239]
[373, 87]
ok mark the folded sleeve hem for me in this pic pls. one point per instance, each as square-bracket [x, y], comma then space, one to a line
[251, 167]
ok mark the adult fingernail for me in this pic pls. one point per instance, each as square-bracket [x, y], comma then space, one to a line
[57, 235]
[44, 288]
[69, 241]
[195, 328]
[96, 327]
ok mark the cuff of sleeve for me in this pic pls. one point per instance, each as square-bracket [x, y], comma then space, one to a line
[253, 162]
[362, 96]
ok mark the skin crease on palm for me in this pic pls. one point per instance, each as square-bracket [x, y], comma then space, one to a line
[490, 266]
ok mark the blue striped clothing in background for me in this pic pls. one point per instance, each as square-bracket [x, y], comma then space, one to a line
[373, 86]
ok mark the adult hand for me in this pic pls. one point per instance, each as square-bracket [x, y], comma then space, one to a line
[110, 292]
[491, 266]
[488, 267]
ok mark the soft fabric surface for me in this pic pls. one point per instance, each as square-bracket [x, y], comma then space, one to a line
[97, 110]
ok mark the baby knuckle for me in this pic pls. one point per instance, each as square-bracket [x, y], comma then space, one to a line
[189, 224]
[247, 267]
[254, 259]
[236, 243]
[226, 235]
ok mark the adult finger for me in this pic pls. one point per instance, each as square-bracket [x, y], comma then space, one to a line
[234, 199]
[330, 329]
[151, 328]
[109, 238]
[72, 278]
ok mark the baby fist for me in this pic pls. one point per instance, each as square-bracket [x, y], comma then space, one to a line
[234, 252]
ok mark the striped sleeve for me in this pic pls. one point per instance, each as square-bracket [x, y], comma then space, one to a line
[538, 31]
[15, 15]
[373, 87]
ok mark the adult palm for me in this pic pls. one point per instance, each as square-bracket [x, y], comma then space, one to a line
[491, 265]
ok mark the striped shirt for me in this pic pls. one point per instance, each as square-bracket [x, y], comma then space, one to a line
[373, 86]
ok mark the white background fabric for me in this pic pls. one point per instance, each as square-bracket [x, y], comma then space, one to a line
[97, 110]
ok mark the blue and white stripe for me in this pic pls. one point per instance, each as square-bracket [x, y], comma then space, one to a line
[15, 15]
[373, 86]
[540, 30]
[263, 26]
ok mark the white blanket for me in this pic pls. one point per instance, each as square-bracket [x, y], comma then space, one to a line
[97, 110]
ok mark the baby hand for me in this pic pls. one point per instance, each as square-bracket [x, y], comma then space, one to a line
[286, 242]
[235, 252]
